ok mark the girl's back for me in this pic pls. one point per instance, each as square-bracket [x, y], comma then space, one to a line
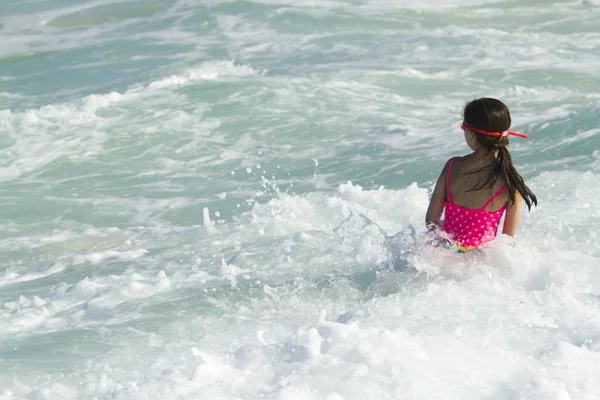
[468, 189]
[473, 216]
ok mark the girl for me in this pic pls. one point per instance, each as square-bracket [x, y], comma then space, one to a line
[476, 190]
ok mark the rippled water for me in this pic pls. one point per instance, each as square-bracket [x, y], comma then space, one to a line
[203, 200]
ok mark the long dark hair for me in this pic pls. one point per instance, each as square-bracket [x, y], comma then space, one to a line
[492, 115]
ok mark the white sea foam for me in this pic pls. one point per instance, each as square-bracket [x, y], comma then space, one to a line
[175, 221]
[206, 72]
[84, 132]
[533, 298]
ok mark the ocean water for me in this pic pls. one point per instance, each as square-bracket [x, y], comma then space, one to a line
[225, 200]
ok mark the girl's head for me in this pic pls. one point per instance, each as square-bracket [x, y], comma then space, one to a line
[489, 115]
[492, 116]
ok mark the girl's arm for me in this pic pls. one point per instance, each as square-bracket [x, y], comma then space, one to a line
[436, 204]
[513, 216]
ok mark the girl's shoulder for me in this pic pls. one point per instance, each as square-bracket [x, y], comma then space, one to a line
[451, 162]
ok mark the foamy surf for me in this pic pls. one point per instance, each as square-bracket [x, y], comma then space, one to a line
[226, 200]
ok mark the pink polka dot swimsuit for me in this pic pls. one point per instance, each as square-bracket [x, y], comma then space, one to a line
[467, 227]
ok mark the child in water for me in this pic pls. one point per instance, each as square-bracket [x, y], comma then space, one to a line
[475, 190]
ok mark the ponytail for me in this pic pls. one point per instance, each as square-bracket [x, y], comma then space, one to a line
[514, 181]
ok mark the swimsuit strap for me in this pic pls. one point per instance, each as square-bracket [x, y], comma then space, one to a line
[449, 193]
[494, 197]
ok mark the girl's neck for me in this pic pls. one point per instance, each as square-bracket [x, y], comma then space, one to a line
[482, 158]
[484, 154]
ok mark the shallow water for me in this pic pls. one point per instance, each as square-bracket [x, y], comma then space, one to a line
[182, 187]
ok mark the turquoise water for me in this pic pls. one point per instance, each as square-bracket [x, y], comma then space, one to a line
[181, 184]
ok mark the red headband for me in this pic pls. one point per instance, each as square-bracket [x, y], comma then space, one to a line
[500, 134]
